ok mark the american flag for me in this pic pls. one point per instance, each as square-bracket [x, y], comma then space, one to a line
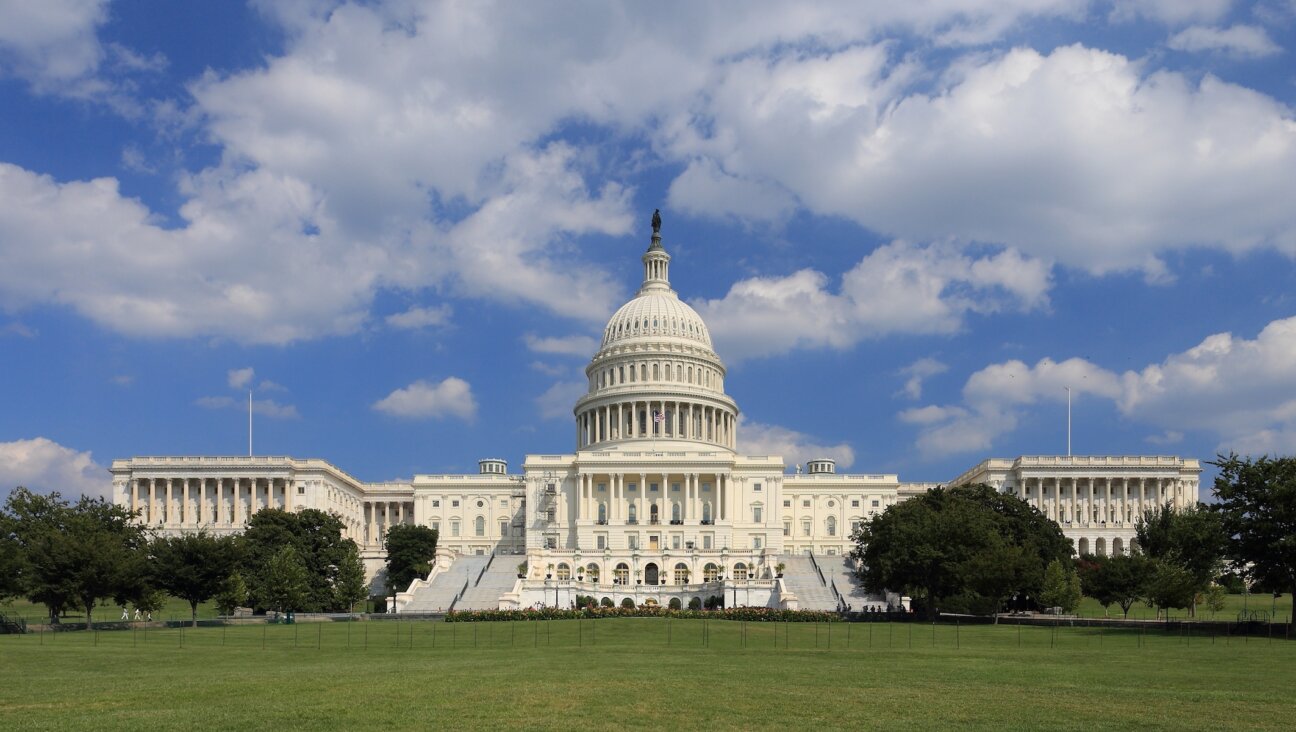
[659, 416]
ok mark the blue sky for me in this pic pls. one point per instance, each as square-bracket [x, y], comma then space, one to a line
[403, 225]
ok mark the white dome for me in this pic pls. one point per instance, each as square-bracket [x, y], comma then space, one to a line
[655, 315]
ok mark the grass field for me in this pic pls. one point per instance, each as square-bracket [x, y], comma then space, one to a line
[642, 673]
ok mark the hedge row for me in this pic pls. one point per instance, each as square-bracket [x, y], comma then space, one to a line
[755, 614]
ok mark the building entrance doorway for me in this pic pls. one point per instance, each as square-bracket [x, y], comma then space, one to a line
[650, 574]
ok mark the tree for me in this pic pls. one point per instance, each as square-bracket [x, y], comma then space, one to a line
[1191, 539]
[11, 560]
[232, 594]
[192, 566]
[75, 555]
[286, 580]
[1061, 586]
[351, 586]
[1118, 580]
[317, 537]
[1170, 585]
[1216, 598]
[968, 547]
[1257, 505]
[410, 551]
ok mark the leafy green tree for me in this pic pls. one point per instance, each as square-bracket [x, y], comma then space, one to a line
[192, 566]
[1118, 580]
[286, 581]
[1191, 539]
[962, 547]
[75, 555]
[317, 537]
[232, 594]
[351, 586]
[1256, 500]
[1216, 598]
[410, 551]
[1061, 586]
[11, 560]
[1170, 585]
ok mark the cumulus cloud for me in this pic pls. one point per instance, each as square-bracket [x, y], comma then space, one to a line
[755, 438]
[918, 372]
[1245, 41]
[1170, 12]
[420, 317]
[45, 466]
[452, 397]
[239, 378]
[264, 407]
[557, 401]
[51, 41]
[1236, 388]
[898, 288]
[573, 345]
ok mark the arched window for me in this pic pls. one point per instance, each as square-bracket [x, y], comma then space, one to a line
[740, 571]
[675, 512]
[1100, 547]
[480, 526]
[632, 515]
[564, 571]
[710, 572]
[622, 574]
[602, 513]
[653, 515]
[592, 572]
[706, 512]
[681, 574]
[832, 525]
[656, 372]
[1118, 547]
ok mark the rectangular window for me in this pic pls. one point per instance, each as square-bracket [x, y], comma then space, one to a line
[652, 487]
[454, 504]
[551, 542]
[787, 528]
[600, 541]
[436, 503]
[634, 541]
[756, 542]
[301, 490]
[676, 540]
[436, 526]
[503, 503]
[875, 503]
[674, 487]
[805, 528]
[756, 514]
[805, 504]
[855, 527]
[855, 503]
[756, 487]
[787, 503]
[706, 541]
[631, 488]
[602, 487]
[503, 528]
[454, 528]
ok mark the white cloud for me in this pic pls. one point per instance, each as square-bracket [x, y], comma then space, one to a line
[705, 190]
[574, 345]
[898, 288]
[44, 466]
[51, 41]
[264, 407]
[918, 372]
[1080, 157]
[550, 369]
[452, 397]
[557, 401]
[1238, 389]
[1171, 12]
[1245, 41]
[239, 378]
[419, 317]
[755, 438]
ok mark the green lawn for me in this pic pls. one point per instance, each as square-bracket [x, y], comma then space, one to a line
[641, 673]
[175, 609]
[1233, 604]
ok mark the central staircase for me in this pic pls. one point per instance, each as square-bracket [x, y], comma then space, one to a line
[473, 582]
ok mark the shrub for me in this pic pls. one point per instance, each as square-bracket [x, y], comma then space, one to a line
[695, 603]
[628, 604]
[674, 603]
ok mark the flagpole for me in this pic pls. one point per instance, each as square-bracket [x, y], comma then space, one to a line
[1068, 389]
[249, 423]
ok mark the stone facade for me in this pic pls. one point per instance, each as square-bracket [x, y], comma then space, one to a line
[656, 502]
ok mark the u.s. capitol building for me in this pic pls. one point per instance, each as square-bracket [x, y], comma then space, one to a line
[655, 503]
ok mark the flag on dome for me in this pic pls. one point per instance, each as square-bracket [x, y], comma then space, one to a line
[658, 416]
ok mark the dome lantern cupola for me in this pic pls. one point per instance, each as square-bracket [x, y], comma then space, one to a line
[656, 263]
